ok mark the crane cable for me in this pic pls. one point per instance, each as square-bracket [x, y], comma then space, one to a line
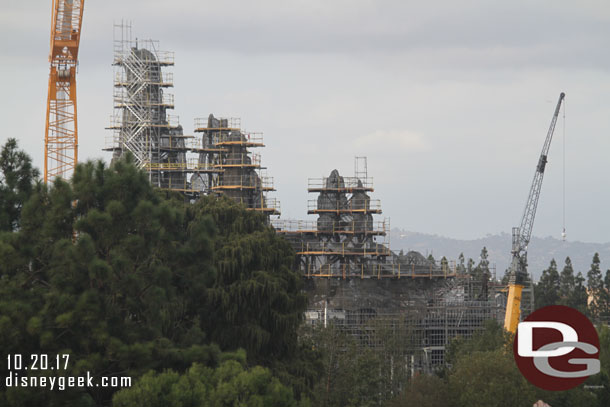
[563, 234]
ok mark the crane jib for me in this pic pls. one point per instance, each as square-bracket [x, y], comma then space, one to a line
[522, 234]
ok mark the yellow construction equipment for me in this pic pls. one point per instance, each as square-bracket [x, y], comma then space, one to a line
[522, 234]
[61, 134]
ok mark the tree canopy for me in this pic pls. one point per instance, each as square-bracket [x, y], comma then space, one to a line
[230, 384]
[17, 177]
[199, 305]
[127, 281]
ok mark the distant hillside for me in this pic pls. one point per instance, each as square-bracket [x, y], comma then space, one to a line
[541, 250]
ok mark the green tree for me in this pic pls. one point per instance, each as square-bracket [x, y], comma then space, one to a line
[595, 288]
[461, 266]
[492, 337]
[351, 375]
[108, 270]
[547, 291]
[567, 283]
[392, 338]
[470, 265]
[481, 275]
[579, 297]
[479, 365]
[601, 381]
[255, 301]
[484, 260]
[489, 379]
[604, 310]
[230, 384]
[17, 177]
[444, 265]
[423, 391]
[115, 280]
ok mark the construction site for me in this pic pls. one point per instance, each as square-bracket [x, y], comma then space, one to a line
[356, 282]
[353, 279]
[157, 260]
[216, 160]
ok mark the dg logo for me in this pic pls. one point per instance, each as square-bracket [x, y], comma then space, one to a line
[556, 348]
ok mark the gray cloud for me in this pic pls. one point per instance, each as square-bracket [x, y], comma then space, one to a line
[461, 93]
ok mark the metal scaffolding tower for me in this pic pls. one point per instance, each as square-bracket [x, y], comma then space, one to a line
[234, 171]
[415, 319]
[346, 241]
[140, 123]
[218, 162]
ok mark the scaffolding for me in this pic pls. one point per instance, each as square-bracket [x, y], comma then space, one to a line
[305, 227]
[216, 161]
[409, 305]
[237, 172]
[415, 320]
[140, 123]
[346, 241]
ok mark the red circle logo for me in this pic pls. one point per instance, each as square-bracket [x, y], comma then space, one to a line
[556, 348]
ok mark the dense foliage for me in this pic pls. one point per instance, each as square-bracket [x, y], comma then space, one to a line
[591, 297]
[482, 372]
[127, 281]
[230, 384]
[16, 182]
[197, 303]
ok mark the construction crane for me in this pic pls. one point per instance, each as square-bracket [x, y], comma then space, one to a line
[523, 233]
[61, 133]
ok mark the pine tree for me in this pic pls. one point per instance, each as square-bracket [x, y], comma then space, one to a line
[604, 310]
[470, 266]
[547, 290]
[444, 265]
[578, 298]
[17, 177]
[107, 269]
[484, 261]
[255, 301]
[566, 282]
[461, 267]
[480, 276]
[481, 271]
[595, 288]
[230, 384]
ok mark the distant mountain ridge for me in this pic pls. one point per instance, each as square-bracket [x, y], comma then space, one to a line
[540, 253]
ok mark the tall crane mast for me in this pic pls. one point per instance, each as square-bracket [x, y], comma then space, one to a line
[61, 133]
[523, 233]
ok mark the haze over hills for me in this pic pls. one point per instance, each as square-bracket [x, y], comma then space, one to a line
[540, 253]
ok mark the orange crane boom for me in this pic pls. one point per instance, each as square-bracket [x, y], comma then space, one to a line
[61, 133]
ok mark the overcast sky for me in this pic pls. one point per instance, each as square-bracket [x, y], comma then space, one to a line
[450, 100]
